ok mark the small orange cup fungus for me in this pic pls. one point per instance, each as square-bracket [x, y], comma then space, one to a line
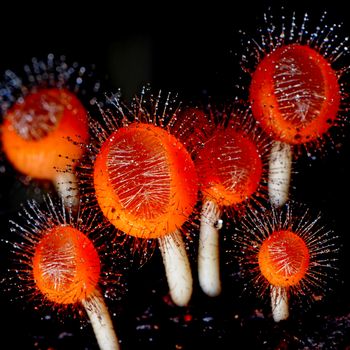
[288, 252]
[284, 259]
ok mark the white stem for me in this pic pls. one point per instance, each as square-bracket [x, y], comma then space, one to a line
[101, 322]
[279, 303]
[177, 268]
[208, 252]
[280, 167]
[67, 187]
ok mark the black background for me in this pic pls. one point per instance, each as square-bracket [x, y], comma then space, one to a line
[190, 50]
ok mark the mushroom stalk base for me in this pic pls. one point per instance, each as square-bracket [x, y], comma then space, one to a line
[177, 268]
[208, 252]
[280, 168]
[279, 303]
[101, 322]
[67, 187]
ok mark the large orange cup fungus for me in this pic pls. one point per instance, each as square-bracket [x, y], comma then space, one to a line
[145, 181]
[146, 186]
[296, 97]
[295, 94]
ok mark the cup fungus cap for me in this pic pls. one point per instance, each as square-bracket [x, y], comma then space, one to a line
[66, 266]
[295, 94]
[145, 181]
[41, 133]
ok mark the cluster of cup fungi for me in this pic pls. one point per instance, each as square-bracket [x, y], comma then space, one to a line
[143, 169]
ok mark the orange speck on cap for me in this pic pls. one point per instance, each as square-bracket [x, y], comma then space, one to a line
[295, 94]
[35, 132]
[229, 167]
[284, 259]
[145, 181]
[66, 265]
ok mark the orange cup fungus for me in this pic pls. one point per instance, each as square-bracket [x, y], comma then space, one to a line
[287, 251]
[229, 167]
[295, 94]
[284, 258]
[145, 181]
[38, 132]
[58, 264]
[66, 266]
